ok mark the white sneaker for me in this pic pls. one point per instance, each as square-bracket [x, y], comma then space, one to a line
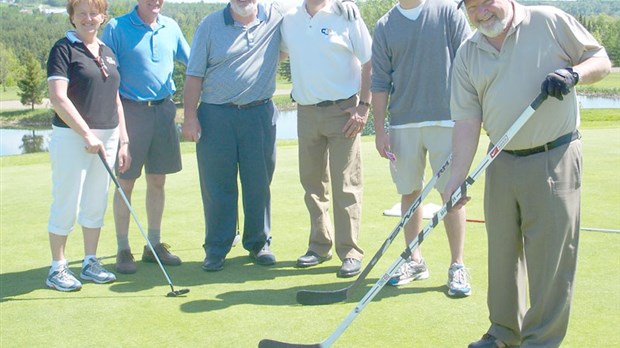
[408, 272]
[95, 272]
[458, 281]
[62, 279]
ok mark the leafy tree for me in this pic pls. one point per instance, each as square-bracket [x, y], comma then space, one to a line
[32, 84]
[33, 143]
[9, 67]
[284, 70]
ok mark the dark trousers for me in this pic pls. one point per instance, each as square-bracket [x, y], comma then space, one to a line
[236, 141]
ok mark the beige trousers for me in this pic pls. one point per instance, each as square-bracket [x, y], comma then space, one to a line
[328, 159]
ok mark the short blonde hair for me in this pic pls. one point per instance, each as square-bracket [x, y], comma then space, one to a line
[100, 5]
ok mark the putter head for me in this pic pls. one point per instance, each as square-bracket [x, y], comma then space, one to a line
[176, 293]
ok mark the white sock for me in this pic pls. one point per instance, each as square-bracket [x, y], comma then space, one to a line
[88, 258]
[57, 263]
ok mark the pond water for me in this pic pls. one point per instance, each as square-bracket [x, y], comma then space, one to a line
[19, 141]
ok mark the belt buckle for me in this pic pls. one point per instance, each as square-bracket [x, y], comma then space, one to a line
[150, 103]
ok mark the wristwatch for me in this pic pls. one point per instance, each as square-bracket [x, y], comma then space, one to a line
[574, 73]
[366, 104]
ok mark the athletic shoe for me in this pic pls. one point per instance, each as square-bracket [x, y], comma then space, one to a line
[62, 279]
[409, 271]
[95, 272]
[263, 256]
[350, 267]
[458, 281]
[164, 255]
[125, 262]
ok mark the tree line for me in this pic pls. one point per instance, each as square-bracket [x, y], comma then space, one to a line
[27, 34]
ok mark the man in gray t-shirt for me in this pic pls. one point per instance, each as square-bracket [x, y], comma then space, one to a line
[414, 45]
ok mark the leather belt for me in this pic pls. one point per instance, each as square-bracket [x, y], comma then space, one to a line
[248, 105]
[331, 102]
[148, 103]
[564, 139]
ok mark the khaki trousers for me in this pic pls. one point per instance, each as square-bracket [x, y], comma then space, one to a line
[327, 157]
[532, 207]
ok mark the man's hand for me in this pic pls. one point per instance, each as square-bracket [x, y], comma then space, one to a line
[191, 128]
[348, 9]
[357, 121]
[558, 83]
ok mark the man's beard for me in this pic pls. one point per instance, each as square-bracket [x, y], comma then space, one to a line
[494, 29]
[248, 10]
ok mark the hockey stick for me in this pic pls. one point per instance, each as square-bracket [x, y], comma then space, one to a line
[317, 297]
[454, 198]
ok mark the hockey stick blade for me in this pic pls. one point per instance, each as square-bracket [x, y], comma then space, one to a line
[316, 297]
[266, 343]
[312, 297]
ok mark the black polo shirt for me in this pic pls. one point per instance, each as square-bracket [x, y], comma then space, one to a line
[92, 92]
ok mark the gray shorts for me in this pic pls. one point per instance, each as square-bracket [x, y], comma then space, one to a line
[153, 139]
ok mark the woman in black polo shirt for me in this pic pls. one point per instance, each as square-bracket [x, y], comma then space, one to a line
[83, 83]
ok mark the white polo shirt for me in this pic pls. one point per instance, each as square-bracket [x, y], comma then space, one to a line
[326, 53]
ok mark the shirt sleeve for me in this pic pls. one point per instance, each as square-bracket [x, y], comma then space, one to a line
[197, 64]
[361, 41]
[464, 99]
[58, 62]
[381, 79]
[183, 50]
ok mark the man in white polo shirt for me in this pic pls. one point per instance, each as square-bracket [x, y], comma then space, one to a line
[330, 66]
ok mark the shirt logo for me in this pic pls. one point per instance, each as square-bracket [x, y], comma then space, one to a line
[327, 31]
[110, 60]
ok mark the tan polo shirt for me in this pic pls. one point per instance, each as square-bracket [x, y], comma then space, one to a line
[497, 86]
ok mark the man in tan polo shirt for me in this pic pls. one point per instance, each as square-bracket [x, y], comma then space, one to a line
[533, 188]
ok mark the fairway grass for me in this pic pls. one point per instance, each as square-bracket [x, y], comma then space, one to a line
[245, 303]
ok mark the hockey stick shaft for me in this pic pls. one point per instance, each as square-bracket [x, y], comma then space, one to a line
[309, 297]
[454, 198]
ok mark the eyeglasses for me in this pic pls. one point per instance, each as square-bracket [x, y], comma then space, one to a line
[102, 67]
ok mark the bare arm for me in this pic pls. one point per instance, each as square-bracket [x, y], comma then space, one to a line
[359, 114]
[70, 115]
[465, 138]
[592, 70]
[191, 97]
[123, 156]
[379, 109]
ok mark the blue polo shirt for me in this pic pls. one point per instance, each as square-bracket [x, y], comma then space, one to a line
[237, 63]
[146, 55]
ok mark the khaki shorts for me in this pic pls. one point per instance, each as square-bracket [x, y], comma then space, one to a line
[410, 146]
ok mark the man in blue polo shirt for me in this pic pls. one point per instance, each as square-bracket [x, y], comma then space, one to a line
[146, 45]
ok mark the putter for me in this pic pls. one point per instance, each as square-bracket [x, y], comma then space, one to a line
[454, 199]
[172, 293]
[316, 297]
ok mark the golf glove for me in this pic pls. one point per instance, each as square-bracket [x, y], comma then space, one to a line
[558, 83]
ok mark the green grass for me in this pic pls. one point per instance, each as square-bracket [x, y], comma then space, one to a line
[9, 94]
[610, 85]
[244, 303]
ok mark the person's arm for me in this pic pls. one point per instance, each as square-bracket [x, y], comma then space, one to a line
[379, 109]
[71, 116]
[359, 114]
[592, 70]
[465, 138]
[191, 96]
[123, 156]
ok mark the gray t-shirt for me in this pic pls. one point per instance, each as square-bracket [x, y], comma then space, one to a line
[411, 60]
[237, 63]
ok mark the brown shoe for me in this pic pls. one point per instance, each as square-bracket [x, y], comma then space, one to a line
[162, 252]
[125, 262]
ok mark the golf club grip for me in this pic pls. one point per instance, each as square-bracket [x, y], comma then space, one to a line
[107, 167]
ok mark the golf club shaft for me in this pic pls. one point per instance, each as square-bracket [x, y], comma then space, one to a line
[135, 217]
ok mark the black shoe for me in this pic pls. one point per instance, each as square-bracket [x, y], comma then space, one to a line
[311, 259]
[488, 341]
[350, 267]
[264, 256]
[213, 264]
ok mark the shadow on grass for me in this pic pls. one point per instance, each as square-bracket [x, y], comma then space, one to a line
[237, 270]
